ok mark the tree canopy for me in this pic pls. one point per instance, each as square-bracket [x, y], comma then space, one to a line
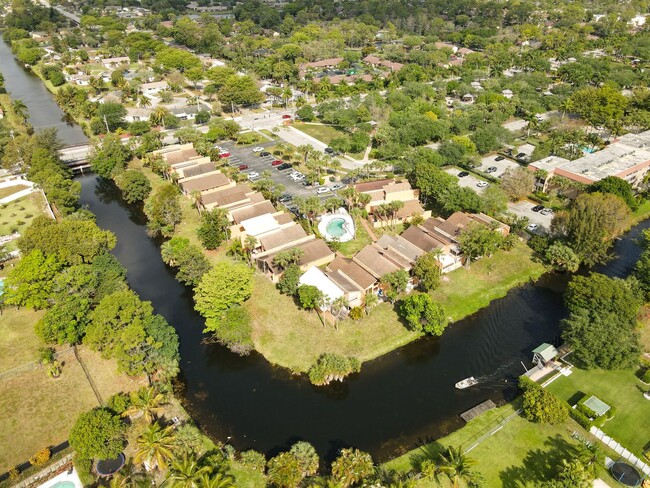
[98, 434]
[422, 314]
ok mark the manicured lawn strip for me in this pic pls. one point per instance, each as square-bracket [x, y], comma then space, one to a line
[324, 133]
[464, 291]
[246, 477]
[620, 389]
[361, 240]
[10, 190]
[292, 338]
[22, 210]
[18, 342]
[521, 451]
[644, 330]
[642, 213]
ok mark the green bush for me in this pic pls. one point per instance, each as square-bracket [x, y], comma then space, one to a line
[41, 457]
[332, 367]
[14, 473]
[119, 402]
[356, 313]
[84, 467]
[253, 460]
[646, 376]
[585, 410]
[579, 417]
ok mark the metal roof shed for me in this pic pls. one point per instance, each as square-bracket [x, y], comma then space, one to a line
[544, 353]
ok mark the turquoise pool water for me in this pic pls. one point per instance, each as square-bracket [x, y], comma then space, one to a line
[335, 227]
[63, 484]
[588, 150]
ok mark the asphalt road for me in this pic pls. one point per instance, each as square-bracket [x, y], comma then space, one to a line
[469, 181]
[501, 166]
[524, 209]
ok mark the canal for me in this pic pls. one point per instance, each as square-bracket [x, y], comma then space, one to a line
[43, 110]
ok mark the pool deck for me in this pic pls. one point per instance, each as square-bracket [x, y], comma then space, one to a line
[62, 478]
[327, 219]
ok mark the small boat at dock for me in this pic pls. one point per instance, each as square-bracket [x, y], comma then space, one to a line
[466, 383]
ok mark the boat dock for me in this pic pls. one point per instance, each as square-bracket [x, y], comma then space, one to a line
[479, 409]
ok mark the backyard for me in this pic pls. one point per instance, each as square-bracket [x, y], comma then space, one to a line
[39, 411]
[17, 215]
[520, 453]
[619, 389]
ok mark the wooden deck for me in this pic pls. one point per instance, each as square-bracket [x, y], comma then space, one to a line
[479, 409]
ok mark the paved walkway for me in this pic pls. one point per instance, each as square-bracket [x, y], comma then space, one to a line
[16, 196]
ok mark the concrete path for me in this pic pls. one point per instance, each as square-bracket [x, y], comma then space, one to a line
[17, 195]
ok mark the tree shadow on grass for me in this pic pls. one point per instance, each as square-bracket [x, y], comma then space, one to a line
[430, 451]
[539, 465]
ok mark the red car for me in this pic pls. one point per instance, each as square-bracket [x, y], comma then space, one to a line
[224, 155]
[242, 167]
[277, 162]
[286, 116]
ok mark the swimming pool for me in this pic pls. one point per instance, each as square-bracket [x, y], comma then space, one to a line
[337, 227]
[63, 484]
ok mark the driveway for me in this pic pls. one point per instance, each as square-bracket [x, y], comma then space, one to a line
[515, 125]
[256, 163]
[469, 181]
[523, 208]
[501, 166]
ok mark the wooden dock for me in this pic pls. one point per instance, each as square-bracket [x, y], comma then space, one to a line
[479, 409]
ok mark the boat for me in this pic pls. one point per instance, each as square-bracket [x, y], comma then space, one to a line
[466, 383]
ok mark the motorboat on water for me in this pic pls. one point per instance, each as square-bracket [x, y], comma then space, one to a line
[466, 383]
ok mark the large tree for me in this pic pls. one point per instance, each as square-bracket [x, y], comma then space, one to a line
[427, 269]
[240, 90]
[98, 434]
[591, 224]
[616, 186]
[163, 211]
[214, 228]
[134, 185]
[65, 322]
[351, 467]
[539, 405]
[31, 282]
[422, 314]
[478, 240]
[517, 183]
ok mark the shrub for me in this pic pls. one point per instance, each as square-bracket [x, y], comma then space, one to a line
[585, 410]
[41, 457]
[46, 355]
[579, 417]
[14, 473]
[119, 402]
[646, 376]
[356, 313]
[84, 467]
[332, 367]
[253, 460]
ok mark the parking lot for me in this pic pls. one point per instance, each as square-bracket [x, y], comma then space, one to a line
[258, 164]
[501, 166]
[524, 209]
[469, 181]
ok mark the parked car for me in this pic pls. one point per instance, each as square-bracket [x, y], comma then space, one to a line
[520, 155]
[224, 154]
[547, 211]
[284, 198]
[322, 189]
[258, 149]
[532, 227]
[277, 162]
[499, 158]
[463, 174]
[337, 186]
[253, 174]
[264, 154]
[283, 166]
[329, 150]
[537, 208]
[298, 177]
[286, 116]
[491, 169]
[482, 184]
[242, 167]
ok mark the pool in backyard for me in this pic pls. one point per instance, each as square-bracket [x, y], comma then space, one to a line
[67, 479]
[338, 226]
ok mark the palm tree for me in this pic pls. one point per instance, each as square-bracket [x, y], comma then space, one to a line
[533, 122]
[219, 480]
[119, 481]
[340, 307]
[305, 151]
[20, 109]
[196, 197]
[394, 207]
[144, 101]
[567, 106]
[369, 301]
[250, 243]
[187, 472]
[456, 466]
[155, 447]
[147, 402]
[158, 115]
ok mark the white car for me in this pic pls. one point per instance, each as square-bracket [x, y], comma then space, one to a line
[299, 177]
[253, 174]
[482, 184]
[258, 149]
[322, 189]
[532, 227]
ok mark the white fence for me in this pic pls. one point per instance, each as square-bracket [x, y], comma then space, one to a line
[624, 453]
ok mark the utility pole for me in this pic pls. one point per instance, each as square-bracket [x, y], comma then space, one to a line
[106, 122]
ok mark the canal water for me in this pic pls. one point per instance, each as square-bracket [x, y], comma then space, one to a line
[396, 401]
[43, 110]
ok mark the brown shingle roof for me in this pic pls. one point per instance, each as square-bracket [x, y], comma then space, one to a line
[198, 169]
[314, 251]
[220, 196]
[207, 182]
[353, 271]
[252, 211]
[374, 262]
[410, 207]
[372, 185]
[282, 237]
[455, 224]
[421, 239]
[180, 156]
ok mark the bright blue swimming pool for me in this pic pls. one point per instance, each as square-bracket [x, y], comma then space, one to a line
[335, 227]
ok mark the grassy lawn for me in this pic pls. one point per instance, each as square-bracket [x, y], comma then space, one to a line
[17, 215]
[293, 338]
[39, 411]
[361, 240]
[521, 452]
[246, 477]
[620, 389]
[324, 133]
[644, 330]
[465, 291]
[14, 121]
